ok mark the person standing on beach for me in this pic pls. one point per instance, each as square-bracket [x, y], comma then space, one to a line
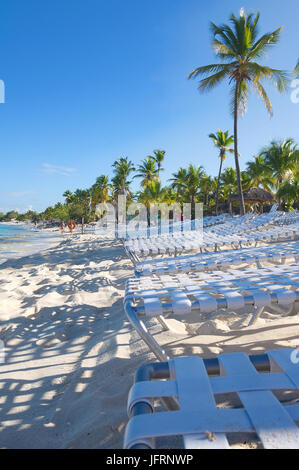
[62, 228]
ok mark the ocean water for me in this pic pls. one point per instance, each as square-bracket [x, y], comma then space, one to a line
[22, 240]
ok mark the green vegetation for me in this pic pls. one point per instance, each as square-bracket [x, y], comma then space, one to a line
[238, 49]
[275, 169]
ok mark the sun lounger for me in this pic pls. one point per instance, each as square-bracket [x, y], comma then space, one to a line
[195, 241]
[288, 218]
[278, 253]
[188, 389]
[222, 224]
[187, 296]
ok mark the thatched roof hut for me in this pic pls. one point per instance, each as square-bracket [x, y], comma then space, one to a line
[255, 196]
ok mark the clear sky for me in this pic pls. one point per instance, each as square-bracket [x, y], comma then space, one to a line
[89, 81]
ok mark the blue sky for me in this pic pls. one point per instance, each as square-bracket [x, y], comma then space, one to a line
[90, 81]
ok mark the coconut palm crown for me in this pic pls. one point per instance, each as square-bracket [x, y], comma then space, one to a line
[148, 171]
[122, 168]
[259, 174]
[281, 159]
[239, 48]
[159, 157]
[223, 141]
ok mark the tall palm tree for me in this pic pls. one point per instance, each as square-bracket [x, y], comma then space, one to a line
[238, 48]
[223, 141]
[259, 174]
[159, 157]
[281, 158]
[148, 171]
[296, 70]
[122, 170]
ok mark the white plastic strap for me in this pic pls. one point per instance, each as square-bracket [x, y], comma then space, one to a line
[152, 305]
[180, 303]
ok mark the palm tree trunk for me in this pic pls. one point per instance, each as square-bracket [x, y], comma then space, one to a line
[192, 207]
[241, 198]
[230, 205]
[218, 183]
[279, 182]
[206, 199]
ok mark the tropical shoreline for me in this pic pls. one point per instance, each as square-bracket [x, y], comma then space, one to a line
[19, 243]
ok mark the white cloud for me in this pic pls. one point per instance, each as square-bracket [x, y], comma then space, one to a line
[50, 169]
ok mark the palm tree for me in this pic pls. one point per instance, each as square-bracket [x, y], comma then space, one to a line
[193, 180]
[259, 174]
[147, 171]
[68, 196]
[100, 190]
[179, 181]
[238, 48]
[296, 70]
[159, 157]
[246, 181]
[289, 192]
[229, 182]
[281, 159]
[80, 207]
[152, 193]
[122, 170]
[170, 195]
[223, 142]
[208, 187]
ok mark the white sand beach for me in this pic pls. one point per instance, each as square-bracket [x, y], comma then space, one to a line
[71, 355]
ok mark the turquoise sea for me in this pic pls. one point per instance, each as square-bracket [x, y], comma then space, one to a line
[22, 240]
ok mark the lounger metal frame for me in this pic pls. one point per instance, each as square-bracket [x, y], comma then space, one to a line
[137, 313]
[187, 388]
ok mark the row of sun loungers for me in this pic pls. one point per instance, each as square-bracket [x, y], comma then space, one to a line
[275, 253]
[220, 223]
[187, 391]
[195, 241]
